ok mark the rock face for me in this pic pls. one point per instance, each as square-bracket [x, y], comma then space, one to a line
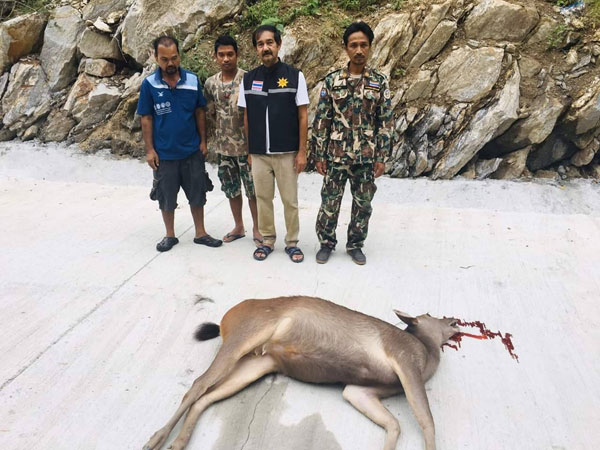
[392, 38]
[147, 19]
[19, 37]
[468, 75]
[27, 97]
[476, 90]
[500, 20]
[59, 52]
[487, 124]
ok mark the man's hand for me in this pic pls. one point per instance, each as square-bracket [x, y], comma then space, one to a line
[321, 167]
[300, 162]
[250, 160]
[378, 169]
[152, 158]
[203, 148]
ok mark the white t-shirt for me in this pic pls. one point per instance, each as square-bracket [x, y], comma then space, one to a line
[301, 99]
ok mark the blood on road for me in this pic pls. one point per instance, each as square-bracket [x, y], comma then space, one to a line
[506, 338]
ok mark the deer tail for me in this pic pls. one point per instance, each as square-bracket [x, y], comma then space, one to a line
[207, 331]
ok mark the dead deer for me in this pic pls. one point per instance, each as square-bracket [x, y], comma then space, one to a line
[317, 341]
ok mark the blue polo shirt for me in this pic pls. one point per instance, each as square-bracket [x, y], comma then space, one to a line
[173, 110]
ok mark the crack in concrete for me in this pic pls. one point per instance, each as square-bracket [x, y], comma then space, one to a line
[89, 313]
[254, 411]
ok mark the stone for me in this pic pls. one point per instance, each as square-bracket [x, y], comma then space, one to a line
[59, 52]
[500, 20]
[512, 165]
[529, 67]
[543, 32]
[99, 68]
[585, 156]
[584, 115]
[554, 149]
[30, 133]
[422, 86]
[57, 126]
[429, 23]
[103, 8]
[97, 45]
[485, 125]
[393, 36]
[19, 37]
[6, 134]
[435, 43]
[79, 93]
[468, 75]
[27, 97]
[147, 19]
[546, 174]
[485, 167]
[536, 128]
[3, 83]
[99, 104]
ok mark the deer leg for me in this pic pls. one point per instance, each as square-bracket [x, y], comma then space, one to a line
[246, 371]
[229, 354]
[367, 401]
[414, 387]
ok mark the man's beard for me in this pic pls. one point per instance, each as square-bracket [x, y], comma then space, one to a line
[171, 70]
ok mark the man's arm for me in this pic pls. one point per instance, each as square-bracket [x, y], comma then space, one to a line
[201, 125]
[321, 128]
[303, 133]
[151, 155]
[384, 130]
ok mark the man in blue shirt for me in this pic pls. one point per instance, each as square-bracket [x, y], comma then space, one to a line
[174, 130]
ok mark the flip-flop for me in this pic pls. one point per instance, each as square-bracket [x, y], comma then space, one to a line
[292, 251]
[229, 237]
[261, 253]
[208, 240]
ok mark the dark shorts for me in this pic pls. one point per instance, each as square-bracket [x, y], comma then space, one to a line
[187, 173]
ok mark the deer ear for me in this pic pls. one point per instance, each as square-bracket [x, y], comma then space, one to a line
[406, 318]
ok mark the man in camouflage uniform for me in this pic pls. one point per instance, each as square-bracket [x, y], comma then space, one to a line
[351, 141]
[221, 91]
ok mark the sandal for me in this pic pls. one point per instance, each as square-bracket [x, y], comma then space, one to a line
[293, 251]
[208, 240]
[261, 253]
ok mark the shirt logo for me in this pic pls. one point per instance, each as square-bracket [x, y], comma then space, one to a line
[160, 94]
[373, 85]
[257, 85]
[282, 82]
[162, 108]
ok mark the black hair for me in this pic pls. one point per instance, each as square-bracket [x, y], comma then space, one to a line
[166, 41]
[226, 40]
[261, 29]
[356, 27]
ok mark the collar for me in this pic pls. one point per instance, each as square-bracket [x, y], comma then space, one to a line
[274, 66]
[159, 79]
[346, 72]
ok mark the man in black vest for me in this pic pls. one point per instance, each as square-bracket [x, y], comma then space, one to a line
[275, 99]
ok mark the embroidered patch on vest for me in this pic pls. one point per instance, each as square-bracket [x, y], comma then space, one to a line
[282, 82]
[257, 85]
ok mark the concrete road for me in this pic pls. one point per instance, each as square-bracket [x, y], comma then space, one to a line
[96, 326]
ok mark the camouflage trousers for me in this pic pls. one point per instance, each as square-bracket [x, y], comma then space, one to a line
[233, 171]
[362, 187]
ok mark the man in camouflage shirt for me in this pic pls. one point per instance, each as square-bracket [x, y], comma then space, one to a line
[221, 91]
[351, 141]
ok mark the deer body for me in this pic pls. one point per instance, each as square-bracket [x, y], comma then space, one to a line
[317, 341]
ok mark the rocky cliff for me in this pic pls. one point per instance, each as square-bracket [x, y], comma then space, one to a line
[482, 88]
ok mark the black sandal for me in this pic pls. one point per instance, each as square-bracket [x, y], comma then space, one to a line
[293, 251]
[261, 253]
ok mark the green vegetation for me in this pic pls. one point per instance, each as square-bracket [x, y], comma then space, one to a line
[10, 9]
[558, 35]
[397, 4]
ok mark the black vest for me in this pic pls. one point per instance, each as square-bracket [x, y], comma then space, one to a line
[274, 88]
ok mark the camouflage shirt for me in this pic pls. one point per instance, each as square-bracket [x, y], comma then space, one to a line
[224, 116]
[354, 118]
